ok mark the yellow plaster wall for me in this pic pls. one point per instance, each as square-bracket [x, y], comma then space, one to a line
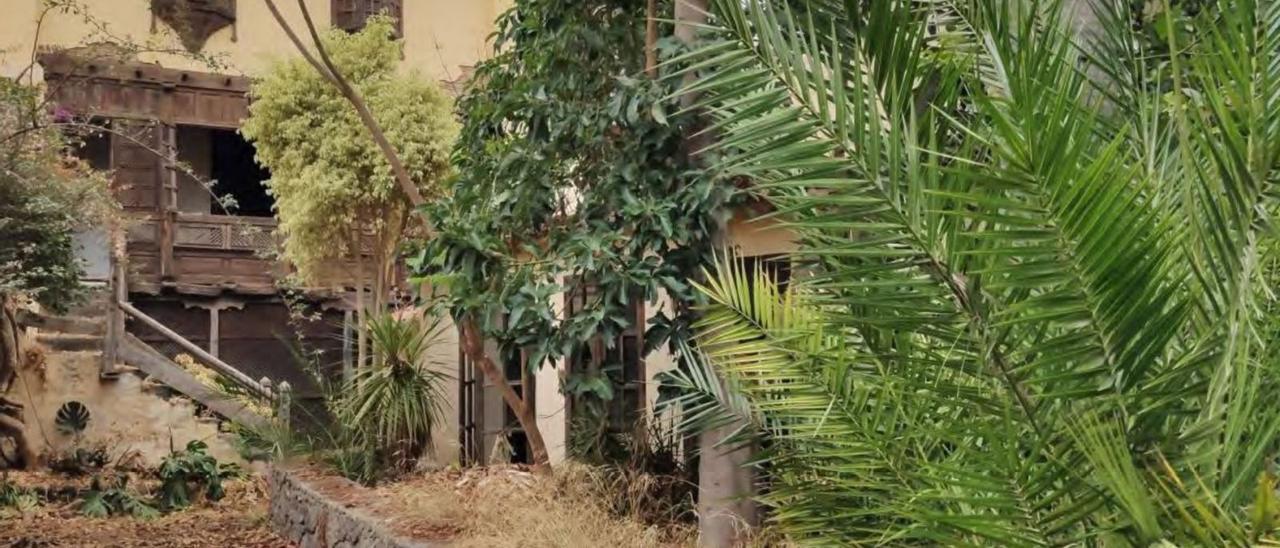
[440, 35]
[124, 416]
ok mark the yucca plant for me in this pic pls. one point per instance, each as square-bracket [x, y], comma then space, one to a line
[1035, 299]
[388, 411]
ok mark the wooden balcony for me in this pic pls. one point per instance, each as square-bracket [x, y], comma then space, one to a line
[203, 254]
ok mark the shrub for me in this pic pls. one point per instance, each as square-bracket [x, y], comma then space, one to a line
[386, 412]
[115, 500]
[192, 469]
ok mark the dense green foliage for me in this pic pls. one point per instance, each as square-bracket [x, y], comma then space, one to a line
[1040, 304]
[328, 178]
[571, 170]
[45, 195]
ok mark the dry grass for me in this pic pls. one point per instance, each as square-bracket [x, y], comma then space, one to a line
[508, 507]
[238, 520]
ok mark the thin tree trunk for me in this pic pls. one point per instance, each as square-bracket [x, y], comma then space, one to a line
[361, 318]
[726, 481]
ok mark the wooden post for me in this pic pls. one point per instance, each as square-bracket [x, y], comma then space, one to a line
[117, 293]
[213, 331]
[284, 402]
[166, 196]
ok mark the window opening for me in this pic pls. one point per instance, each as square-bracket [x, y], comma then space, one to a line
[352, 15]
[225, 158]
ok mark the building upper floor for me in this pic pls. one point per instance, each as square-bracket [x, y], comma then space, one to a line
[443, 38]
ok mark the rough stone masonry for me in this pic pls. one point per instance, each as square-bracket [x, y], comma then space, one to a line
[301, 514]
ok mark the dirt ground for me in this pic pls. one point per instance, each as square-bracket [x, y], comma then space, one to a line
[239, 520]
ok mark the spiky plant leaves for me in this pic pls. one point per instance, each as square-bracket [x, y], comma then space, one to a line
[392, 408]
[1039, 304]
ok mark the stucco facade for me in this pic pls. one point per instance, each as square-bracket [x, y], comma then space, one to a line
[441, 36]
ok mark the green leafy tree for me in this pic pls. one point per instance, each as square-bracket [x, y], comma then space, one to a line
[336, 196]
[1040, 304]
[572, 172]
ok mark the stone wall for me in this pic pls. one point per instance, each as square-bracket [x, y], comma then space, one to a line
[300, 513]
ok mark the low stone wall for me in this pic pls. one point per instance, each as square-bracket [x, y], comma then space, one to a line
[301, 513]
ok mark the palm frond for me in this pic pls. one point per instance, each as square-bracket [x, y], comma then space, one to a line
[1035, 258]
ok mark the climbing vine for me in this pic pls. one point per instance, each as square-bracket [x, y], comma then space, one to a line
[572, 172]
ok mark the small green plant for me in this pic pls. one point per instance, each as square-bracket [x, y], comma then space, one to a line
[15, 499]
[72, 419]
[115, 499]
[192, 470]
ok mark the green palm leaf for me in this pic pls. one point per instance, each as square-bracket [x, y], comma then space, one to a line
[1037, 302]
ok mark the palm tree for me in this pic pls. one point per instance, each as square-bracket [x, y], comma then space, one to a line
[1037, 306]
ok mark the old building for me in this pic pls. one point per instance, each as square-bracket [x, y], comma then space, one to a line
[204, 271]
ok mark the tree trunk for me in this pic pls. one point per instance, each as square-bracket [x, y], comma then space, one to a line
[11, 425]
[361, 318]
[726, 482]
[473, 346]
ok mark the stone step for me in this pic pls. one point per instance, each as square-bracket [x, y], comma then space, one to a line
[71, 342]
[94, 306]
[75, 325]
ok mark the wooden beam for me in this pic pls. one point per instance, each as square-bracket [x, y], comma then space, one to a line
[155, 364]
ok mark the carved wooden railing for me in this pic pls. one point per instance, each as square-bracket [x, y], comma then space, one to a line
[250, 234]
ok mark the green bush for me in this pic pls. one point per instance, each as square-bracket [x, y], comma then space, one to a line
[115, 499]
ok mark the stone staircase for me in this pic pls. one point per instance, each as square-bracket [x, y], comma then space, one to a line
[138, 393]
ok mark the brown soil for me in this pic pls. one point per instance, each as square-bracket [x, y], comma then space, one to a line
[497, 507]
[238, 520]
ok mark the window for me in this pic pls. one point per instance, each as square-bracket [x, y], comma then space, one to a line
[351, 15]
[515, 370]
[620, 358]
[93, 146]
[223, 157]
